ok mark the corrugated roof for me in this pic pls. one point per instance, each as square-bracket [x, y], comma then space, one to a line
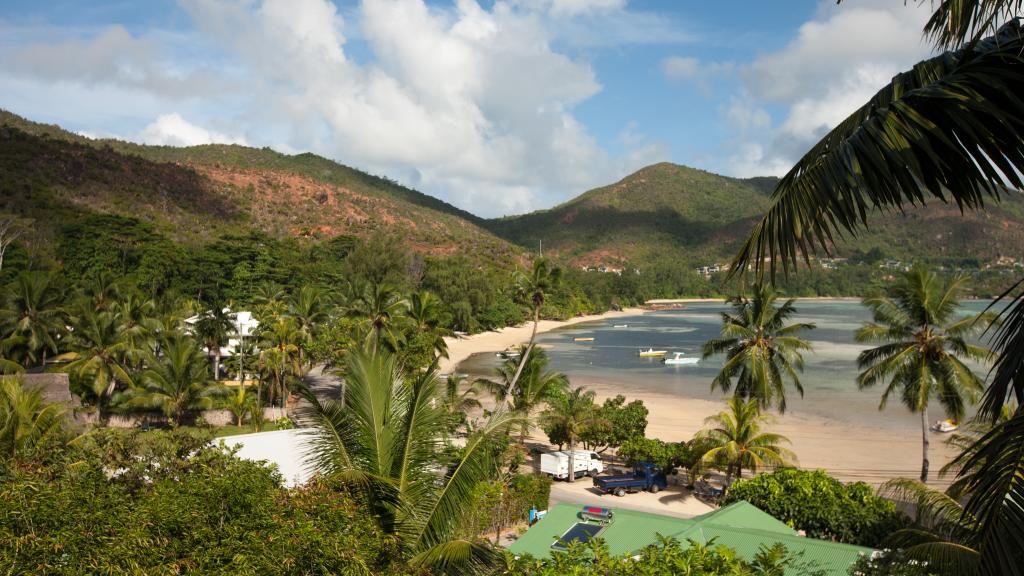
[741, 526]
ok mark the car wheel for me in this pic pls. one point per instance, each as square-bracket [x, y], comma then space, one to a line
[655, 488]
[620, 492]
[594, 472]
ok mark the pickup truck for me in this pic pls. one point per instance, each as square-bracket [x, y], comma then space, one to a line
[645, 476]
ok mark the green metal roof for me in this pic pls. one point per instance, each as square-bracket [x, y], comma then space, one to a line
[740, 526]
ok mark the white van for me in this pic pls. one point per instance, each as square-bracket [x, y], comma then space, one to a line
[556, 464]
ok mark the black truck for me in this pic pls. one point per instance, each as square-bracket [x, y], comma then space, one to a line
[645, 476]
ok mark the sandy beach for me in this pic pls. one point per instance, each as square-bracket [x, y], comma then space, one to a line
[848, 451]
[495, 341]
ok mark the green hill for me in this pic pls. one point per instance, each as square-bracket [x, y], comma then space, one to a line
[670, 212]
[195, 194]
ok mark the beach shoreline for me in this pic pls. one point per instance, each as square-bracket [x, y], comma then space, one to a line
[459, 349]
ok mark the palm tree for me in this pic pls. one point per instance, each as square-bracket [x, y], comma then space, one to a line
[537, 385]
[175, 381]
[761, 349]
[138, 317]
[215, 327]
[27, 423]
[101, 354]
[425, 311]
[458, 400]
[947, 130]
[239, 403]
[573, 412]
[534, 288]
[32, 311]
[279, 357]
[308, 307]
[101, 291]
[384, 443]
[378, 307]
[739, 443]
[924, 341]
[8, 349]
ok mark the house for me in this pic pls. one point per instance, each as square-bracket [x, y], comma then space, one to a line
[245, 326]
[740, 526]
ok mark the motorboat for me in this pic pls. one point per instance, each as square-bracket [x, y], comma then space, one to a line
[945, 426]
[651, 352]
[621, 326]
[681, 360]
[509, 353]
[583, 339]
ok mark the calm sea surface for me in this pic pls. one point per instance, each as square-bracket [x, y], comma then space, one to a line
[828, 379]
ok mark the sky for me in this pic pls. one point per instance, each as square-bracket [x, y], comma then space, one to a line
[496, 106]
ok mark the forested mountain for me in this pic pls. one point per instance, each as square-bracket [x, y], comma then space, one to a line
[696, 217]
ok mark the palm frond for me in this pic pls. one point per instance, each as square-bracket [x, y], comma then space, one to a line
[955, 22]
[950, 129]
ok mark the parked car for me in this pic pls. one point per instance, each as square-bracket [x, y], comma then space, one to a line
[585, 462]
[645, 476]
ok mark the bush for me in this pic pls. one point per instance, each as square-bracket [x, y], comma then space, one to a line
[890, 563]
[822, 506]
[658, 452]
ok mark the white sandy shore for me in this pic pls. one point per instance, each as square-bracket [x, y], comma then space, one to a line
[461, 348]
[848, 452]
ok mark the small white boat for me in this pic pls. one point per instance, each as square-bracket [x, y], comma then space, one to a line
[945, 426]
[680, 359]
[621, 326]
[509, 354]
[651, 352]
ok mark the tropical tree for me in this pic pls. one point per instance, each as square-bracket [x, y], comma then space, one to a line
[425, 312]
[537, 385]
[138, 318]
[572, 413]
[101, 354]
[925, 339]
[27, 422]
[534, 288]
[280, 357]
[239, 403]
[308, 306]
[384, 442]
[459, 399]
[739, 443]
[101, 290]
[948, 130]
[8, 349]
[378, 307]
[33, 312]
[762, 350]
[176, 380]
[214, 328]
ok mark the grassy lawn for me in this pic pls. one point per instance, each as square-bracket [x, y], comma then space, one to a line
[232, 430]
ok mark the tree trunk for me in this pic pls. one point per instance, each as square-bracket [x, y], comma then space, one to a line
[216, 364]
[526, 353]
[572, 461]
[924, 444]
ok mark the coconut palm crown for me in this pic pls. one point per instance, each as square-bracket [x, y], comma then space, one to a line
[762, 350]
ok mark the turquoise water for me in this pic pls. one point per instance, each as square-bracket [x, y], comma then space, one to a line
[828, 379]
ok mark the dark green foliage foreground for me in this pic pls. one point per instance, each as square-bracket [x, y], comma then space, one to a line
[669, 558]
[208, 514]
[821, 505]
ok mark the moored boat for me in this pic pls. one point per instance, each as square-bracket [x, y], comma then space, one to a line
[945, 426]
[583, 339]
[650, 352]
[680, 359]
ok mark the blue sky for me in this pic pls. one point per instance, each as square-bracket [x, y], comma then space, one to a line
[498, 106]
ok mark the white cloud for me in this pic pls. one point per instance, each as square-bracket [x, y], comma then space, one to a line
[173, 130]
[836, 62]
[680, 67]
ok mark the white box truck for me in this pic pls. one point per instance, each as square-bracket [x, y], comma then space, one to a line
[556, 464]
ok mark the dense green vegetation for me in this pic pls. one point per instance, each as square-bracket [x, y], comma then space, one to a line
[822, 506]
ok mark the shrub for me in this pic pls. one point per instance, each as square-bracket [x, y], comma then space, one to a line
[822, 506]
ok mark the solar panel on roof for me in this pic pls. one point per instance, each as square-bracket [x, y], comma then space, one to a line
[579, 532]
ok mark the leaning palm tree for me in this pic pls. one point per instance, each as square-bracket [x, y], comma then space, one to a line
[32, 311]
[459, 399]
[175, 381]
[737, 441]
[537, 385]
[101, 354]
[925, 340]
[384, 443]
[534, 289]
[948, 130]
[572, 412]
[761, 349]
[27, 422]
